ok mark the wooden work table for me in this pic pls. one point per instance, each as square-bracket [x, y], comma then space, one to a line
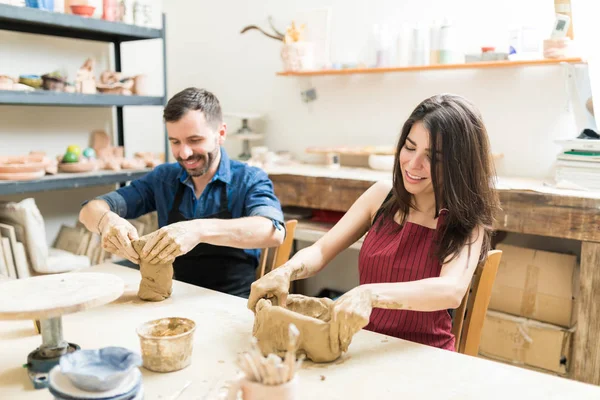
[528, 207]
[375, 367]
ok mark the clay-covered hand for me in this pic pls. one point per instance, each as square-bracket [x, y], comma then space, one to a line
[171, 241]
[274, 284]
[117, 234]
[350, 313]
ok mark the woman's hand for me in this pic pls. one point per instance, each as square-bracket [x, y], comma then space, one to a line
[351, 313]
[274, 284]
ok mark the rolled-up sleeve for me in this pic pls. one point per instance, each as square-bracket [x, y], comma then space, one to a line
[261, 200]
[134, 200]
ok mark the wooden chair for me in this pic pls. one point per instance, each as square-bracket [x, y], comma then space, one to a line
[275, 257]
[470, 315]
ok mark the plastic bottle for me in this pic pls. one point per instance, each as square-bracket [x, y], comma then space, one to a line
[434, 43]
[448, 45]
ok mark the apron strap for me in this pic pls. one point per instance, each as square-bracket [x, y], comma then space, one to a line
[178, 197]
[224, 199]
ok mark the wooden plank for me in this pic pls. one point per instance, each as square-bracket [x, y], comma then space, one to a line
[533, 213]
[316, 192]
[435, 67]
[586, 353]
[552, 215]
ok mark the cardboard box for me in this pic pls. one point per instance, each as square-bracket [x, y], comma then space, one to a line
[526, 342]
[536, 284]
[514, 364]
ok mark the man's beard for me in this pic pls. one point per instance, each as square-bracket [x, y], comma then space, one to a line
[208, 161]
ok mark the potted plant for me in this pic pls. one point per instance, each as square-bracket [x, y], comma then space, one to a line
[297, 54]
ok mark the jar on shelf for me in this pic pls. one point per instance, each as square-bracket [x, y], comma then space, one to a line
[126, 11]
[142, 13]
[110, 10]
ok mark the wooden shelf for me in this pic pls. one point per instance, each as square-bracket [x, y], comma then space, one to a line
[70, 181]
[477, 65]
[31, 20]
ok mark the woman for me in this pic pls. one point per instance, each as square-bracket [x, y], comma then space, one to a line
[427, 231]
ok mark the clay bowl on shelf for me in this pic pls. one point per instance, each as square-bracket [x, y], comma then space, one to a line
[78, 166]
[34, 165]
[21, 176]
[83, 10]
[10, 168]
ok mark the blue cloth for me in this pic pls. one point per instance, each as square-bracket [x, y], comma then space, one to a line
[249, 193]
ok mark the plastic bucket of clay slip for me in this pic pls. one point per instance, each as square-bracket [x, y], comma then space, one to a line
[167, 343]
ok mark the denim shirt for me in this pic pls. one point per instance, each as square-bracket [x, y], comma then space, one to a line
[249, 193]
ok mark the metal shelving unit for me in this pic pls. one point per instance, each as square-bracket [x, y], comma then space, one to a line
[70, 181]
[29, 20]
[48, 98]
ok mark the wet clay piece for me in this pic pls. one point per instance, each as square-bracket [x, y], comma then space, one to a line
[157, 279]
[312, 318]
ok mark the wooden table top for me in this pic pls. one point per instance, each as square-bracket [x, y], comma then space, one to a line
[375, 366]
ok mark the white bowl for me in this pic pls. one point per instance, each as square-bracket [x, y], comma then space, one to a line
[381, 162]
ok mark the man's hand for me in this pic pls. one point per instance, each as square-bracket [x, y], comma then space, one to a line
[351, 313]
[117, 234]
[274, 284]
[171, 241]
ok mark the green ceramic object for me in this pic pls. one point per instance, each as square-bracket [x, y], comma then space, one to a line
[70, 157]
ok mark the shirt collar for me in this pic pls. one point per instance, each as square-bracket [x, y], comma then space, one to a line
[223, 172]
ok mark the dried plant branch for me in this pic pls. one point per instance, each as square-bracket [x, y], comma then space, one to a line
[273, 27]
[252, 27]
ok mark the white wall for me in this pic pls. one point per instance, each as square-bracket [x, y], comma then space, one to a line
[525, 109]
[52, 129]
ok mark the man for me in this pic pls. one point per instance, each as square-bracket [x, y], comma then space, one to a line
[214, 213]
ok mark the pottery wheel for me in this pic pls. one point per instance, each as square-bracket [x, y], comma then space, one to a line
[50, 296]
[46, 298]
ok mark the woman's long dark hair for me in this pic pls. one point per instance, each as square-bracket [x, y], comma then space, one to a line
[466, 188]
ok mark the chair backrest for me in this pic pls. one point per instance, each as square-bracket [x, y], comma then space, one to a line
[470, 315]
[275, 257]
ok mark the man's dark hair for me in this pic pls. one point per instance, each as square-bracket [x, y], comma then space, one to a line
[194, 99]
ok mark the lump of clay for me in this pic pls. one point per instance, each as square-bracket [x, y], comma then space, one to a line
[310, 315]
[157, 279]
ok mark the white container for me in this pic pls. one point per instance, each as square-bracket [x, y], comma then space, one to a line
[59, 6]
[420, 46]
[126, 11]
[298, 56]
[382, 162]
[448, 44]
[404, 46]
[434, 43]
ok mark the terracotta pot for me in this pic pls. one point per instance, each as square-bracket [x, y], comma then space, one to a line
[140, 86]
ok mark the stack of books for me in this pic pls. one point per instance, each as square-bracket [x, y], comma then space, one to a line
[579, 163]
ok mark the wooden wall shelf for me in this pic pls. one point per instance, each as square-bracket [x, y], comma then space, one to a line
[476, 65]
